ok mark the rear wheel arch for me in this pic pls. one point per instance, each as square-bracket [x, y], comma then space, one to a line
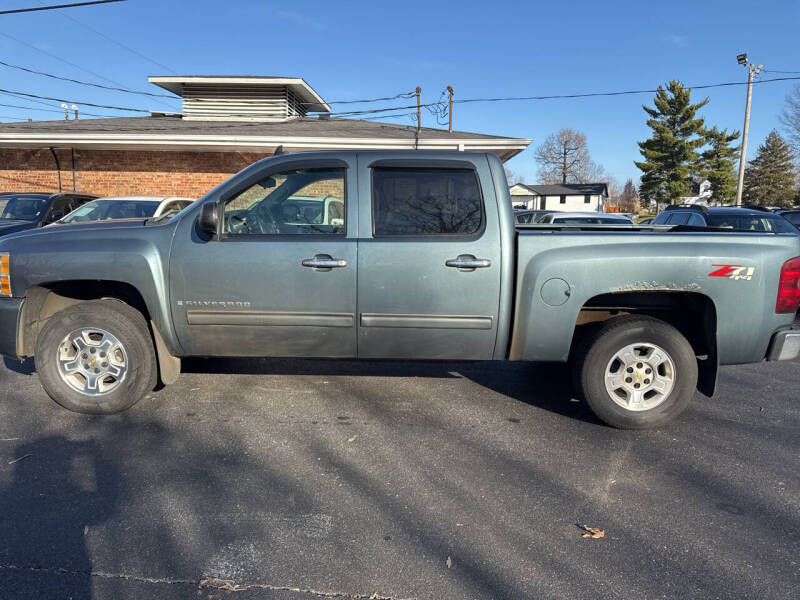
[693, 314]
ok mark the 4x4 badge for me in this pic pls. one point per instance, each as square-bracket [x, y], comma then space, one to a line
[733, 272]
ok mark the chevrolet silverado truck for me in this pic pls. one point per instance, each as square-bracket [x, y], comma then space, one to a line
[394, 255]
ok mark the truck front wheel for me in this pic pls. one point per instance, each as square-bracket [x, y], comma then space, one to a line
[636, 372]
[96, 357]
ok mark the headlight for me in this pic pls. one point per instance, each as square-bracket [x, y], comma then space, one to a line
[5, 275]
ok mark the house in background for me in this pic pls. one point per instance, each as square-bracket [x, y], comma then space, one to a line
[226, 123]
[565, 196]
[701, 192]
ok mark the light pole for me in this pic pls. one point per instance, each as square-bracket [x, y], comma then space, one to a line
[752, 71]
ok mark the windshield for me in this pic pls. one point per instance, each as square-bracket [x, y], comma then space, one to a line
[766, 222]
[22, 208]
[100, 210]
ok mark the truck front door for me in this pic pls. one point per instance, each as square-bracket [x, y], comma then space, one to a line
[280, 280]
[429, 259]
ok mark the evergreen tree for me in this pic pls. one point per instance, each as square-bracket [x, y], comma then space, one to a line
[672, 149]
[769, 178]
[717, 164]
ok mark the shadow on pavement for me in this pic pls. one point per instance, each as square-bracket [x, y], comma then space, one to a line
[58, 490]
[23, 367]
[544, 385]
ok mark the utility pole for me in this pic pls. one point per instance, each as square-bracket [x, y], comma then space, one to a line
[419, 108]
[752, 71]
[450, 110]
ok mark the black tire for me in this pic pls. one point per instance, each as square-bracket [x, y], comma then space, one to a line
[595, 353]
[128, 326]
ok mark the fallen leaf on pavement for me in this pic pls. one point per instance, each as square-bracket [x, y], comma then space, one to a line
[352, 439]
[593, 532]
[221, 584]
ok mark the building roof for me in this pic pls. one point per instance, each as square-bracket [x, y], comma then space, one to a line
[569, 189]
[302, 133]
[178, 85]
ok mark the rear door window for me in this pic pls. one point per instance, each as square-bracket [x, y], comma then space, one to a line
[425, 202]
[696, 220]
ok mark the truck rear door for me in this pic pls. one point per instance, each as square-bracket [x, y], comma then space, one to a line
[428, 258]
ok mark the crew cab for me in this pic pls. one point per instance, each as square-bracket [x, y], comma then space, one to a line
[394, 255]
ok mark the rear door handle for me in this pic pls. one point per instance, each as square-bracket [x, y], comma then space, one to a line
[467, 262]
[324, 261]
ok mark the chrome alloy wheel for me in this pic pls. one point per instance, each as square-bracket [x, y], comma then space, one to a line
[640, 376]
[92, 361]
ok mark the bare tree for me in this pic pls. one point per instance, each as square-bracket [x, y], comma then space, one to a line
[629, 198]
[790, 117]
[511, 177]
[564, 158]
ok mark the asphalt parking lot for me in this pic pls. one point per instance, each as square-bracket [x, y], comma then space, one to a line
[308, 479]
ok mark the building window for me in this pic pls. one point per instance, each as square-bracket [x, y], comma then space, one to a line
[587, 198]
[543, 202]
[563, 199]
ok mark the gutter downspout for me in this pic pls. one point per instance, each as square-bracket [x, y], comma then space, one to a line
[74, 186]
[58, 167]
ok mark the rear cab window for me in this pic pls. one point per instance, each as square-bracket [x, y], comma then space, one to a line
[426, 202]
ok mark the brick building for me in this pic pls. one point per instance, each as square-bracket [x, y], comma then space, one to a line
[226, 124]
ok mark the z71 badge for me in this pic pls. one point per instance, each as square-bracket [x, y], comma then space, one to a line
[735, 272]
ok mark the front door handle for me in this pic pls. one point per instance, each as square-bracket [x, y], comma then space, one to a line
[324, 261]
[467, 262]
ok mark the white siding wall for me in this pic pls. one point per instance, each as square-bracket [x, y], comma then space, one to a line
[575, 203]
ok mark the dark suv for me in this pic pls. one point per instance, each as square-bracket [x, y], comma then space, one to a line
[20, 211]
[751, 218]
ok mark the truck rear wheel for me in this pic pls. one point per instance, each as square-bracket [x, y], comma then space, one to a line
[96, 357]
[636, 372]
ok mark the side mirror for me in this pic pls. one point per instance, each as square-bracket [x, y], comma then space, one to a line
[56, 215]
[208, 221]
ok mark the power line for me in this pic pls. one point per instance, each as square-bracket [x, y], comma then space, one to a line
[377, 111]
[55, 110]
[55, 6]
[787, 72]
[125, 108]
[113, 41]
[72, 64]
[65, 61]
[396, 97]
[96, 85]
[623, 93]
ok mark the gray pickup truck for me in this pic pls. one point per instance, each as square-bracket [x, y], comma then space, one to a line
[394, 255]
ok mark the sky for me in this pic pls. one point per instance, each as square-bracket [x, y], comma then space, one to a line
[361, 50]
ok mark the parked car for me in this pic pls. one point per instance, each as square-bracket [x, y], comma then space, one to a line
[20, 211]
[126, 207]
[585, 218]
[645, 221]
[525, 217]
[793, 216]
[725, 217]
[420, 260]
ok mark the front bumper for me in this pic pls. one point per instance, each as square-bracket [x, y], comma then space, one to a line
[10, 311]
[785, 345]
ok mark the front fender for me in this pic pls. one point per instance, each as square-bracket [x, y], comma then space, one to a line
[134, 256]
